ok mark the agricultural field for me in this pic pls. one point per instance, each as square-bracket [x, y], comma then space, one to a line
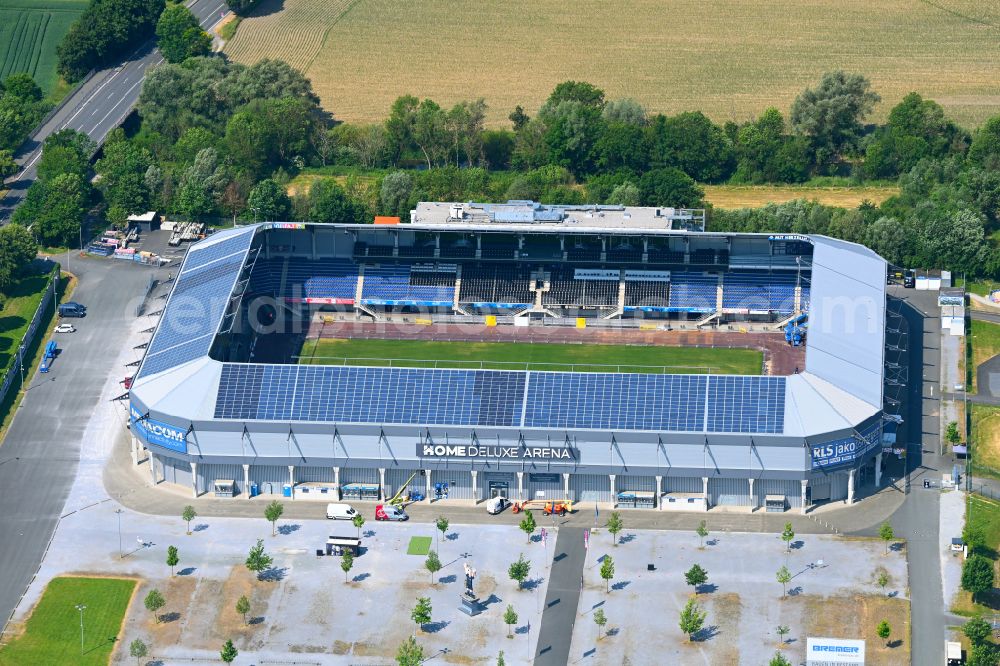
[754, 196]
[731, 60]
[30, 30]
[535, 356]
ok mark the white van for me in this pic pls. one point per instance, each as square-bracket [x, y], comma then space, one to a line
[495, 505]
[340, 512]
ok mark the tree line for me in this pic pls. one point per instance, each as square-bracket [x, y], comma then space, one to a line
[217, 139]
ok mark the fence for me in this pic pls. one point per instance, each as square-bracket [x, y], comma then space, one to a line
[16, 370]
[985, 491]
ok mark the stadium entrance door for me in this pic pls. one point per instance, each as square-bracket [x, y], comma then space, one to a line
[499, 489]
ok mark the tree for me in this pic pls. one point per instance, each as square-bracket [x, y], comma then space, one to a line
[329, 203]
[779, 660]
[17, 248]
[64, 205]
[528, 525]
[702, 532]
[257, 560]
[977, 630]
[626, 194]
[8, 167]
[518, 118]
[570, 131]
[154, 601]
[783, 576]
[442, 525]
[359, 522]
[787, 535]
[614, 526]
[831, 114]
[243, 607]
[509, 618]
[883, 630]
[692, 618]
[180, 36]
[669, 187]
[500, 659]
[172, 558]
[607, 572]
[625, 110]
[984, 654]
[138, 649]
[882, 579]
[886, 534]
[433, 564]
[696, 576]
[973, 535]
[421, 613]
[692, 143]
[346, 563]
[577, 91]
[394, 195]
[600, 619]
[188, 515]
[272, 512]
[519, 570]
[985, 148]
[105, 31]
[122, 170]
[268, 201]
[201, 185]
[977, 575]
[782, 632]
[229, 652]
[410, 653]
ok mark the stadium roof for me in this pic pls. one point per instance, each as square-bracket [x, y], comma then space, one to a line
[840, 388]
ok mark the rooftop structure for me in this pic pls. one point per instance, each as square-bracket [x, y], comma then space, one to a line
[517, 214]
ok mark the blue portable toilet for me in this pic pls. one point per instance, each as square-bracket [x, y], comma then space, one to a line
[286, 490]
[254, 490]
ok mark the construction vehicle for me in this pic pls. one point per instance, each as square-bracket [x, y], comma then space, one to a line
[403, 496]
[795, 330]
[548, 507]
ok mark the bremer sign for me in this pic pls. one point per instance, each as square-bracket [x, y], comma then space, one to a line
[494, 452]
[830, 651]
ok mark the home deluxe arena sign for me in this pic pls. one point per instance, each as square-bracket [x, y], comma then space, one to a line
[493, 452]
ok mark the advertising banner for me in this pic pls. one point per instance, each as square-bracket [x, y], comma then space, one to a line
[491, 451]
[157, 432]
[834, 651]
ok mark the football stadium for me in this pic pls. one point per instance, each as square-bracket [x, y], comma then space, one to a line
[601, 354]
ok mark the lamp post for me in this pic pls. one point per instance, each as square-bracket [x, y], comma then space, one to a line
[81, 608]
[121, 553]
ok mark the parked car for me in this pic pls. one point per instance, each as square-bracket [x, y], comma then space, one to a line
[389, 512]
[72, 309]
[339, 511]
[65, 328]
[495, 505]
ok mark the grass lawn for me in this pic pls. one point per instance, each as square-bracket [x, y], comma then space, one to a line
[30, 30]
[985, 344]
[754, 196]
[984, 513]
[419, 546]
[986, 427]
[52, 633]
[539, 356]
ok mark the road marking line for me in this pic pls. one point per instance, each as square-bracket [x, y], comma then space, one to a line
[116, 105]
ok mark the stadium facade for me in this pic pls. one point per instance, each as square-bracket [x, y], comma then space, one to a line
[215, 400]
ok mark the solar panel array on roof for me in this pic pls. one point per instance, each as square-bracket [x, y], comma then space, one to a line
[199, 257]
[498, 398]
[370, 395]
[746, 404]
[190, 321]
[616, 401]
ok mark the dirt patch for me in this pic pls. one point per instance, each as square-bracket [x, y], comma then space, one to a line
[178, 592]
[723, 626]
[228, 623]
[858, 616]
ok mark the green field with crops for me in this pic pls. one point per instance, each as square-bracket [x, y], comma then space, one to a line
[30, 31]
[729, 59]
[532, 356]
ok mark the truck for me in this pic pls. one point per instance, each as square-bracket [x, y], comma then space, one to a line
[953, 653]
[51, 349]
[72, 309]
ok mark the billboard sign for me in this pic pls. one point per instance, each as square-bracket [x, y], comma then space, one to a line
[157, 432]
[834, 651]
[493, 452]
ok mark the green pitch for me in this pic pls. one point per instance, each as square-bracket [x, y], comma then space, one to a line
[52, 635]
[521, 356]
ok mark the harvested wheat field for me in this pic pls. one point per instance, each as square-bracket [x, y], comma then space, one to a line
[728, 59]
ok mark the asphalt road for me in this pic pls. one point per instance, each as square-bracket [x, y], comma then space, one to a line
[561, 599]
[39, 456]
[99, 106]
